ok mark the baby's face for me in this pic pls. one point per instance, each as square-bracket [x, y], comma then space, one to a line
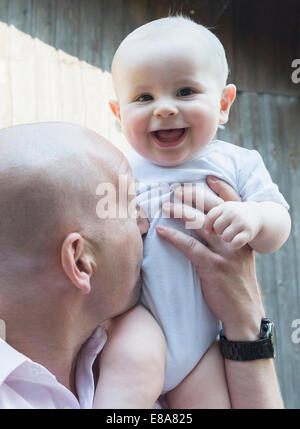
[169, 94]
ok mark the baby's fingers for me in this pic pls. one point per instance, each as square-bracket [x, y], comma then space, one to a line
[211, 218]
[230, 232]
[241, 239]
[222, 224]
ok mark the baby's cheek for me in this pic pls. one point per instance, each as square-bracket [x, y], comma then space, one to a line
[128, 130]
[134, 128]
[209, 112]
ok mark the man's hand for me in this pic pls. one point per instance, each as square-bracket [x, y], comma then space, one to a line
[229, 284]
[228, 276]
[235, 222]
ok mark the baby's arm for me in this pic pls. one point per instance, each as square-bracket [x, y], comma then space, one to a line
[265, 225]
[132, 363]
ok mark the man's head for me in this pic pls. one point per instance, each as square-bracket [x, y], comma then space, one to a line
[170, 80]
[53, 246]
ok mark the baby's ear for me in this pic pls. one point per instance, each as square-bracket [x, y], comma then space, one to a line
[228, 97]
[115, 108]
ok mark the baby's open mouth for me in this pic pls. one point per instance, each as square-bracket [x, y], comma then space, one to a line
[169, 137]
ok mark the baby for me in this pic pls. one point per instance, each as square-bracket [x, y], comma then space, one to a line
[170, 78]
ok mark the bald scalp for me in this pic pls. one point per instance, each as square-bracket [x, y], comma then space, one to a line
[49, 173]
[169, 28]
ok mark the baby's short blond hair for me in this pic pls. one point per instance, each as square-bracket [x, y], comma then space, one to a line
[159, 26]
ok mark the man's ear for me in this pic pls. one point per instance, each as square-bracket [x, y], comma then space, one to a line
[115, 108]
[77, 261]
[228, 97]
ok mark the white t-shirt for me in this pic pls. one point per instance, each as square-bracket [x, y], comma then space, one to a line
[171, 286]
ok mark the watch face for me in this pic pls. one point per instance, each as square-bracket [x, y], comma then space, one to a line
[268, 332]
[273, 337]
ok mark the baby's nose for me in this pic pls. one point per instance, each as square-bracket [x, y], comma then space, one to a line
[164, 110]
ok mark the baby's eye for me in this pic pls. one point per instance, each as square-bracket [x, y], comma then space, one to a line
[144, 97]
[183, 92]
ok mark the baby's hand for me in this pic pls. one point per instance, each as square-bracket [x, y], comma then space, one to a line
[236, 222]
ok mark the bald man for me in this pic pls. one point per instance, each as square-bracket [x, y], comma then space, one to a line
[64, 271]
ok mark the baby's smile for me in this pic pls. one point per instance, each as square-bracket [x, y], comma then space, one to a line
[169, 138]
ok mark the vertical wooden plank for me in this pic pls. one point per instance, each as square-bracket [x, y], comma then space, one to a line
[289, 111]
[3, 10]
[19, 13]
[94, 94]
[5, 77]
[136, 14]
[111, 25]
[23, 68]
[48, 91]
[71, 89]
[269, 124]
[224, 31]
[90, 31]
[274, 266]
[67, 25]
[43, 20]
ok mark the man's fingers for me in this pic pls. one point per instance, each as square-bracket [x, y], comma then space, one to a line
[215, 244]
[193, 218]
[196, 224]
[195, 251]
[222, 189]
[204, 200]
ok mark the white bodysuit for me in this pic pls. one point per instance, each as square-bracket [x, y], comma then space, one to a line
[171, 286]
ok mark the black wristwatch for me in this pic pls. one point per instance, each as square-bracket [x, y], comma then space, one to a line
[262, 348]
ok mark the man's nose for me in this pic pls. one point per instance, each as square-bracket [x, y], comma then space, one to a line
[165, 109]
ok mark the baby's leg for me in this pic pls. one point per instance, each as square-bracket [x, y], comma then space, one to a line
[132, 362]
[205, 386]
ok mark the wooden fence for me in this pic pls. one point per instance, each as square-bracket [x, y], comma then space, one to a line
[41, 82]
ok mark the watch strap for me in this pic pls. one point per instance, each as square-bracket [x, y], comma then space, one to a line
[246, 350]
